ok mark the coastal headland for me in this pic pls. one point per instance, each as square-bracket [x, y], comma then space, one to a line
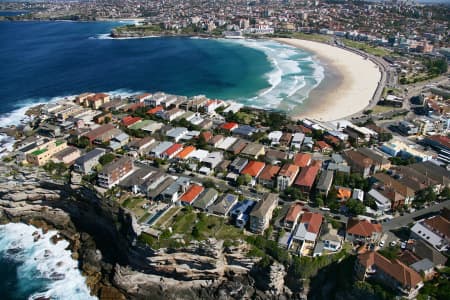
[349, 85]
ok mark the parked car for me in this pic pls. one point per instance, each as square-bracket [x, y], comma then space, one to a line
[393, 244]
[403, 245]
[382, 244]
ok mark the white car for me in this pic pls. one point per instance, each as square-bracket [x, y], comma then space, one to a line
[382, 244]
[403, 245]
[393, 243]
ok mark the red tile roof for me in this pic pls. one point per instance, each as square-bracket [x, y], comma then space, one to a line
[98, 96]
[154, 110]
[441, 139]
[293, 212]
[403, 274]
[307, 176]
[269, 172]
[302, 159]
[135, 106]
[129, 120]
[362, 227]
[192, 193]
[207, 135]
[289, 170]
[323, 145]
[229, 126]
[314, 221]
[173, 149]
[440, 225]
[253, 168]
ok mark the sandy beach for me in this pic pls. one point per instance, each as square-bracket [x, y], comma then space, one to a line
[347, 90]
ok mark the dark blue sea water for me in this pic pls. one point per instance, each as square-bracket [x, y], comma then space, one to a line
[42, 60]
[49, 59]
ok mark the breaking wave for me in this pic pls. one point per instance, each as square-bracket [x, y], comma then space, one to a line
[44, 270]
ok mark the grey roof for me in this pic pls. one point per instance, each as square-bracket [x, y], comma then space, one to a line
[245, 130]
[264, 204]
[155, 192]
[252, 149]
[205, 199]
[325, 180]
[163, 146]
[338, 167]
[239, 162]
[422, 265]
[337, 158]
[423, 250]
[224, 205]
[115, 164]
[176, 132]
[93, 154]
[376, 157]
[137, 177]
[69, 150]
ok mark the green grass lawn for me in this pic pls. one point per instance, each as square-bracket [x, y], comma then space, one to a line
[312, 37]
[168, 215]
[377, 51]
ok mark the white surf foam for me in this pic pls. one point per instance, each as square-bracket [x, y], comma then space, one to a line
[287, 79]
[43, 260]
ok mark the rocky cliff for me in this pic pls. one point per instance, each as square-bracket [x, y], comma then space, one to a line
[103, 239]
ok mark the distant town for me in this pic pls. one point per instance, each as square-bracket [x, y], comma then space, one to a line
[374, 187]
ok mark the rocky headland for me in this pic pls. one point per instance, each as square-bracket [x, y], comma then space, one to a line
[103, 238]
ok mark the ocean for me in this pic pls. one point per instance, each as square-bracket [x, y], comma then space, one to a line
[36, 268]
[46, 61]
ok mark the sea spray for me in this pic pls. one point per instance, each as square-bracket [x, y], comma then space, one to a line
[42, 268]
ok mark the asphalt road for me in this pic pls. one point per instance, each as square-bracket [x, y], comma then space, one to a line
[408, 218]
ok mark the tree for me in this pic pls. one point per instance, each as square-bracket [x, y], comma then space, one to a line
[445, 193]
[106, 158]
[243, 179]
[355, 207]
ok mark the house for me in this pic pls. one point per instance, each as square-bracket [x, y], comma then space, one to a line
[305, 180]
[172, 151]
[297, 140]
[331, 240]
[276, 156]
[99, 131]
[213, 159]
[262, 213]
[359, 163]
[118, 141]
[325, 181]
[435, 231]
[323, 147]
[160, 149]
[240, 212]
[253, 150]
[115, 171]
[238, 164]
[379, 162]
[285, 139]
[382, 202]
[275, 137]
[387, 181]
[172, 114]
[358, 194]
[363, 230]
[307, 232]
[392, 273]
[224, 205]
[229, 126]
[206, 136]
[268, 175]
[66, 156]
[286, 176]
[94, 101]
[253, 168]
[206, 199]
[85, 163]
[226, 143]
[140, 145]
[185, 153]
[191, 194]
[359, 134]
[128, 121]
[155, 99]
[292, 216]
[155, 110]
[140, 98]
[343, 193]
[424, 250]
[41, 154]
[302, 159]
[176, 134]
[237, 147]
[245, 131]
[173, 190]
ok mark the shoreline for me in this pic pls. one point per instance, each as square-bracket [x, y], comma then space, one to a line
[348, 87]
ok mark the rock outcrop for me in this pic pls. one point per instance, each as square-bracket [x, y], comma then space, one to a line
[103, 238]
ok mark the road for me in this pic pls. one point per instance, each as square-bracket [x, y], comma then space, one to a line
[406, 219]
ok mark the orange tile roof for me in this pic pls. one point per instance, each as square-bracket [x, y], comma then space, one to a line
[314, 221]
[154, 110]
[172, 149]
[192, 193]
[269, 172]
[362, 227]
[253, 168]
[207, 135]
[229, 126]
[302, 159]
[98, 96]
[307, 176]
[186, 151]
[323, 145]
[344, 193]
[403, 274]
[293, 212]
